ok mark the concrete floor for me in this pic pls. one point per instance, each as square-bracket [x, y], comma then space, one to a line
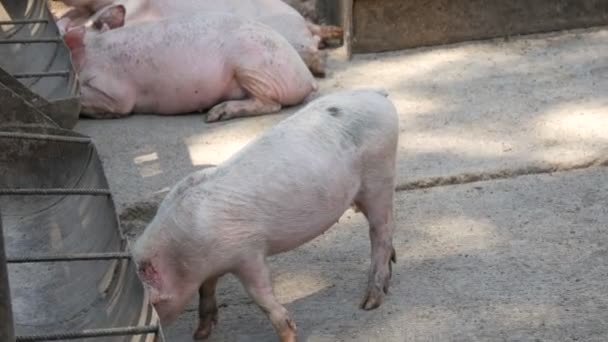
[522, 256]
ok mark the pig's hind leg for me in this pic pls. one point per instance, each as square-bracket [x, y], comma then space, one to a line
[239, 108]
[375, 200]
[262, 98]
[255, 277]
[207, 309]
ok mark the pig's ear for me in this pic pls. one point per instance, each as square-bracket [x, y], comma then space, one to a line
[74, 39]
[111, 18]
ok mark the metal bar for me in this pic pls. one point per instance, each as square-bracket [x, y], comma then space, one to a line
[58, 191]
[73, 335]
[7, 332]
[46, 137]
[328, 12]
[62, 73]
[23, 21]
[69, 257]
[30, 40]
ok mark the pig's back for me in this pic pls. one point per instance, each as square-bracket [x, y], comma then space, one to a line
[298, 178]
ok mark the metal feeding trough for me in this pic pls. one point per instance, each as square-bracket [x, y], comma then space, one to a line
[33, 53]
[69, 270]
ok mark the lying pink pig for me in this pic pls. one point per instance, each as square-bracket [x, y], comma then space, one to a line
[234, 66]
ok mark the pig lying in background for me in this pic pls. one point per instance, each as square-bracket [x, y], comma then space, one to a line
[185, 64]
[280, 191]
[304, 36]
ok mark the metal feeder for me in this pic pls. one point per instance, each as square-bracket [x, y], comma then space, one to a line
[69, 269]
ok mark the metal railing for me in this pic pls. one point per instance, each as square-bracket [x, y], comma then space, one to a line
[44, 40]
[7, 332]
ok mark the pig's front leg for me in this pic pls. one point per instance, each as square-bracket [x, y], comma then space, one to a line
[207, 309]
[255, 277]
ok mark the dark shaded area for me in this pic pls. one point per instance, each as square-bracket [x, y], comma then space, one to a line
[385, 25]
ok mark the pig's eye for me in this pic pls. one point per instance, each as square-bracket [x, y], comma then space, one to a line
[97, 25]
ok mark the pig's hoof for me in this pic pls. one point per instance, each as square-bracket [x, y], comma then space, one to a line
[372, 299]
[203, 331]
[217, 113]
[205, 326]
[202, 334]
[290, 334]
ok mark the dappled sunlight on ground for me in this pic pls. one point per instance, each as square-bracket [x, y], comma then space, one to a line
[576, 123]
[446, 236]
[202, 152]
[148, 165]
[466, 146]
[293, 285]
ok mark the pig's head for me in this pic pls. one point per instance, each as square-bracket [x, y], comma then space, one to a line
[94, 92]
[169, 292]
[167, 278]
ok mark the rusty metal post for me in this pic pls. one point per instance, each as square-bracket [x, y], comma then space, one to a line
[7, 332]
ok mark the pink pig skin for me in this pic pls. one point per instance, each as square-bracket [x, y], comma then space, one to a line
[283, 189]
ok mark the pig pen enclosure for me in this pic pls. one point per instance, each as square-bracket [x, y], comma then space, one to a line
[493, 277]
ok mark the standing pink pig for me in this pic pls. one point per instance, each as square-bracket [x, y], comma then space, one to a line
[280, 191]
[234, 66]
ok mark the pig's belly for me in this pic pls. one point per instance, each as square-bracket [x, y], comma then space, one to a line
[304, 214]
[294, 233]
[182, 90]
